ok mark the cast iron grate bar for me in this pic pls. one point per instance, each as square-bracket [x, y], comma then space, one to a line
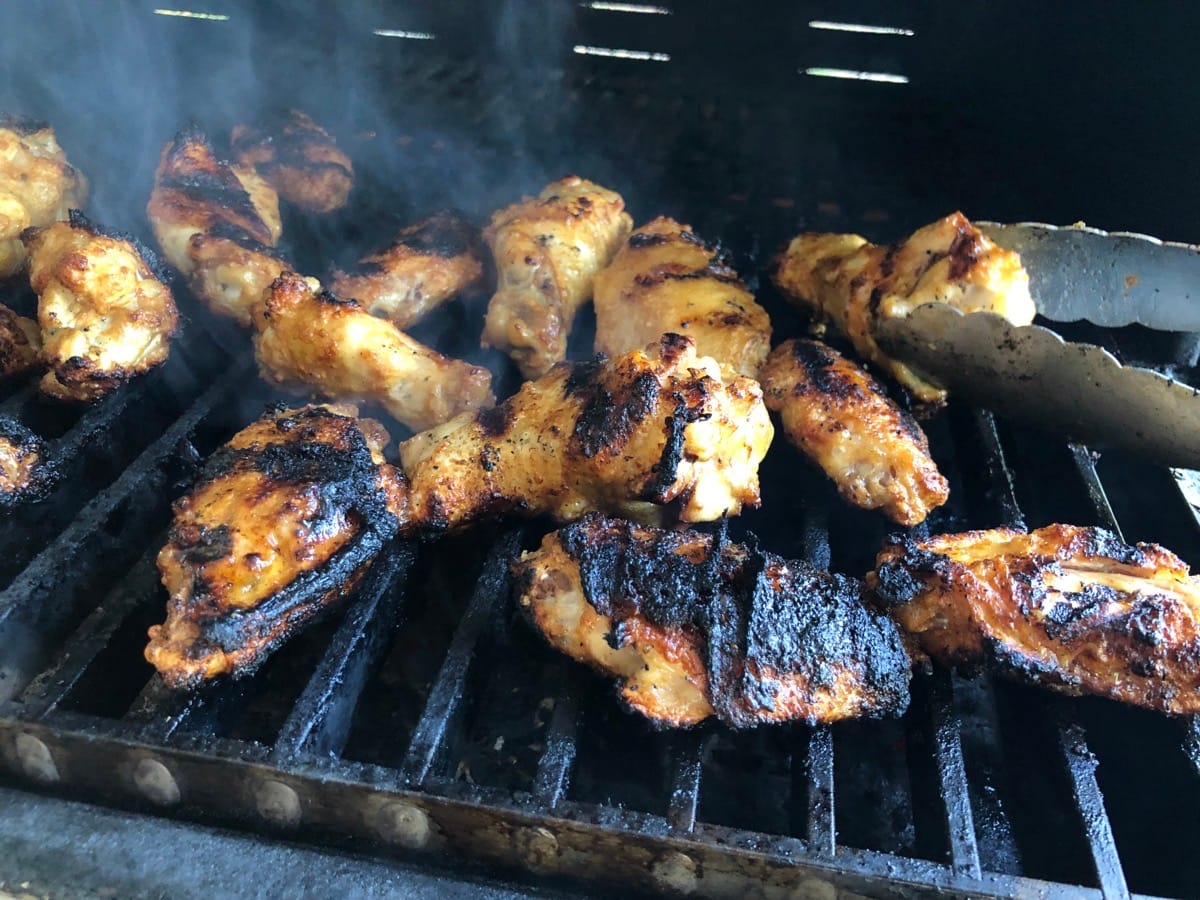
[553, 777]
[944, 726]
[687, 752]
[446, 695]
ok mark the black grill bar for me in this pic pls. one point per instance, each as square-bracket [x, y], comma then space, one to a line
[819, 822]
[952, 773]
[1097, 496]
[553, 777]
[687, 752]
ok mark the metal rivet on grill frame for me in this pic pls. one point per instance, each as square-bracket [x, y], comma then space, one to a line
[674, 871]
[537, 847]
[155, 782]
[278, 803]
[404, 824]
[35, 759]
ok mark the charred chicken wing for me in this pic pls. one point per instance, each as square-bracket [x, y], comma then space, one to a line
[428, 264]
[308, 338]
[37, 185]
[548, 250]
[298, 158]
[652, 427]
[1069, 608]
[280, 524]
[840, 417]
[20, 343]
[25, 473]
[695, 626]
[854, 284]
[104, 312]
[665, 278]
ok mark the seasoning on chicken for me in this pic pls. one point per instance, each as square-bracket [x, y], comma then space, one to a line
[308, 338]
[630, 435]
[281, 524]
[37, 185]
[298, 158]
[428, 264]
[217, 224]
[695, 626]
[548, 250]
[20, 343]
[839, 416]
[856, 285]
[25, 473]
[1072, 609]
[666, 278]
[104, 312]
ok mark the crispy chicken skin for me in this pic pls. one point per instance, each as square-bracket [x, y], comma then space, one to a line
[281, 523]
[37, 185]
[20, 343]
[854, 284]
[652, 427]
[666, 278]
[105, 314]
[1069, 608]
[308, 338]
[695, 626]
[25, 473]
[548, 250]
[839, 416]
[298, 158]
[427, 264]
[217, 224]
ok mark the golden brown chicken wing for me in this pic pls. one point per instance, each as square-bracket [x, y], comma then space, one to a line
[37, 185]
[695, 626]
[20, 343]
[104, 312]
[629, 435]
[839, 416]
[1072, 609]
[217, 224]
[308, 338]
[298, 158]
[855, 284]
[25, 472]
[429, 263]
[666, 278]
[281, 523]
[548, 250]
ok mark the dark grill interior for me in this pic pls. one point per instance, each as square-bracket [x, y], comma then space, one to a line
[426, 716]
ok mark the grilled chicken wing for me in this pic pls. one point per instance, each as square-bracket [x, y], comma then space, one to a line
[666, 278]
[37, 185]
[1069, 608]
[840, 417]
[105, 314]
[309, 338]
[548, 250]
[20, 343]
[25, 473]
[695, 626]
[856, 284]
[298, 158]
[217, 224]
[429, 263]
[280, 524]
[653, 427]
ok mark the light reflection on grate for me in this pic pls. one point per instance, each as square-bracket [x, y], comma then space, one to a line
[407, 35]
[855, 75]
[822, 25]
[642, 55]
[189, 14]
[641, 9]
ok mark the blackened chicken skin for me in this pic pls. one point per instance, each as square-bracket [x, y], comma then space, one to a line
[105, 314]
[839, 416]
[1072, 609]
[298, 158]
[20, 343]
[428, 264]
[310, 339]
[856, 284]
[548, 250]
[629, 435]
[666, 278]
[25, 471]
[695, 626]
[281, 523]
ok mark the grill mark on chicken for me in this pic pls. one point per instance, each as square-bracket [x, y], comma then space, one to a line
[22, 125]
[299, 158]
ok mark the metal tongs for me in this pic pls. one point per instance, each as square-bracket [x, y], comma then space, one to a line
[1109, 279]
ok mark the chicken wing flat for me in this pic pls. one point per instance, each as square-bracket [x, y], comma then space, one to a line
[652, 427]
[855, 284]
[548, 250]
[298, 158]
[37, 185]
[1072, 609]
[105, 314]
[281, 523]
[20, 343]
[428, 264]
[308, 338]
[839, 416]
[217, 224]
[666, 278]
[25, 473]
[695, 626]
